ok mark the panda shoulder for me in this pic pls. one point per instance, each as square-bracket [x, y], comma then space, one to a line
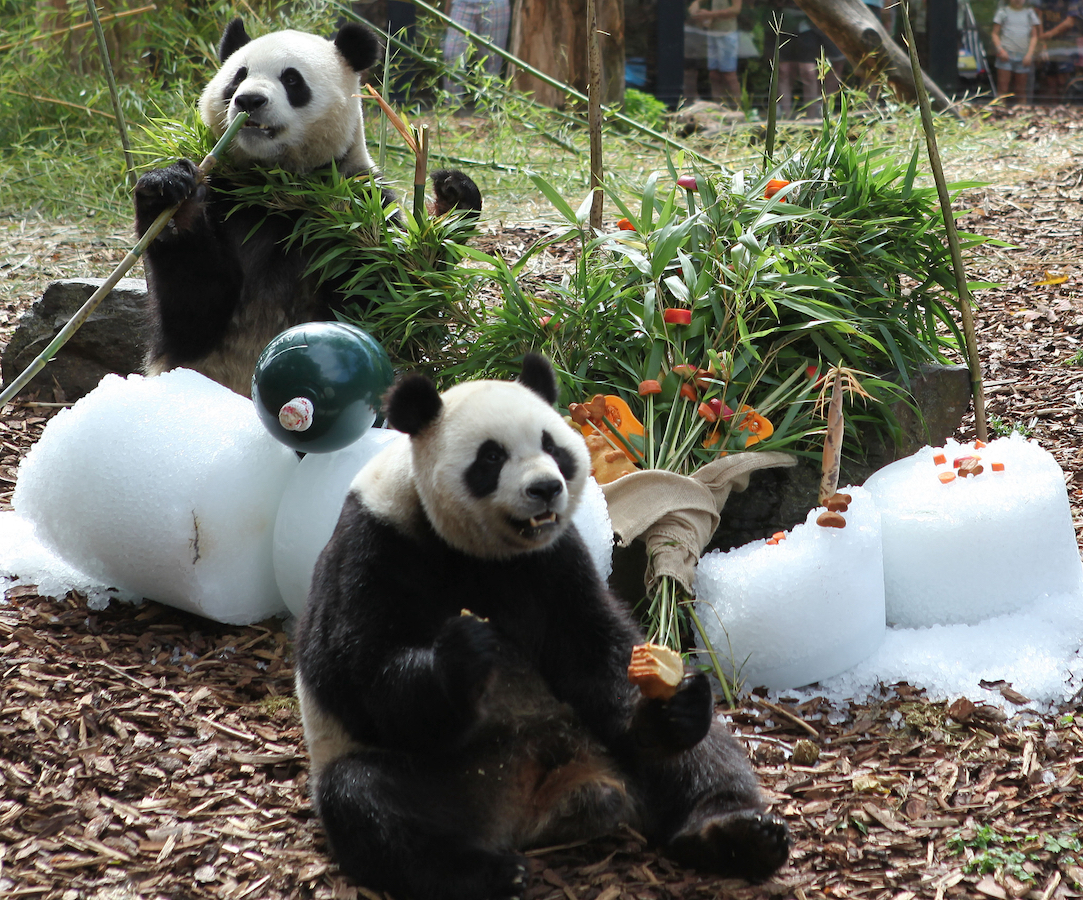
[385, 487]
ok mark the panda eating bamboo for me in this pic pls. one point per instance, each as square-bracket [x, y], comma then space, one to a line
[223, 281]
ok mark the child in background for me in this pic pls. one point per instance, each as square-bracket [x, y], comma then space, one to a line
[1015, 36]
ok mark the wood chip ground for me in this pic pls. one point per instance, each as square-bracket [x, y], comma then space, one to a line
[150, 755]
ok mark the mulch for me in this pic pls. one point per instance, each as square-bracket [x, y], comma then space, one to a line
[148, 754]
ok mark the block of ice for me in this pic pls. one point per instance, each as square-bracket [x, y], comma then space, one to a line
[164, 487]
[591, 519]
[963, 549]
[788, 614]
[310, 508]
[25, 560]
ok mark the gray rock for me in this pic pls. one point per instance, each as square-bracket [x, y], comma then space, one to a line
[111, 340]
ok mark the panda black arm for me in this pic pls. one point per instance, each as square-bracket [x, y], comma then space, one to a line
[409, 682]
[194, 280]
[585, 661]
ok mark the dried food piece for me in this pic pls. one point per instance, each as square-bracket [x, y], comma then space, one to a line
[831, 519]
[970, 466]
[655, 670]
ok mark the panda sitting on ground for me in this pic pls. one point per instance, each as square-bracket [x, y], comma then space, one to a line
[221, 282]
[462, 669]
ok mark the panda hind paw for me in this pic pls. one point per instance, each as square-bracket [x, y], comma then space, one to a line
[482, 875]
[746, 844]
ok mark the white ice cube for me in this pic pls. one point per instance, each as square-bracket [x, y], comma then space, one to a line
[310, 507]
[801, 610]
[978, 546]
[165, 487]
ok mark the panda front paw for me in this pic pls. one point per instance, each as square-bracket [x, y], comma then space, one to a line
[465, 657]
[680, 722]
[160, 189]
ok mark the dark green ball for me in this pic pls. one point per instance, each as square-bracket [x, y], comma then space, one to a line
[340, 370]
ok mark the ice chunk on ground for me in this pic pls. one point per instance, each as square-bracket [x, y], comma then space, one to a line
[1036, 651]
[979, 546]
[310, 508]
[592, 522]
[24, 560]
[799, 611]
[164, 487]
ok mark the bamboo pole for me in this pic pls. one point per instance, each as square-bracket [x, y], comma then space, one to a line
[965, 312]
[130, 259]
[114, 94]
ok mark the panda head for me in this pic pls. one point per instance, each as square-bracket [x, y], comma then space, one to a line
[302, 94]
[497, 470]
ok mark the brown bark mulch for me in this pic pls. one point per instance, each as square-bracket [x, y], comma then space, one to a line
[148, 754]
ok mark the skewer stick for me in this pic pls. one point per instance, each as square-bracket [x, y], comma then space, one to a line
[130, 259]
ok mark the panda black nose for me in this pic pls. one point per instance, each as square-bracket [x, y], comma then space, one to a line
[545, 490]
[249, 102]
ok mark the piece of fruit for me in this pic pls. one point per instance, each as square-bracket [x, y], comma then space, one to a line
[656, 670]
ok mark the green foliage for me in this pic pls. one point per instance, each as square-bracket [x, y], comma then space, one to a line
[645, 108]
[844, 267]
[989, 850]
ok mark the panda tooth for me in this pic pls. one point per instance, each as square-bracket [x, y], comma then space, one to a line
[545, 519]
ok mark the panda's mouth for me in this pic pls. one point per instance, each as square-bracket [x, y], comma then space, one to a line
[258, 128]
[536, 525]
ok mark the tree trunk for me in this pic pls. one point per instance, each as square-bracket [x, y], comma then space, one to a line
[551, 35]
[861, 37]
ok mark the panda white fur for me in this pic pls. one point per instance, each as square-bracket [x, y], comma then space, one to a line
[221, 281]
[462, 670]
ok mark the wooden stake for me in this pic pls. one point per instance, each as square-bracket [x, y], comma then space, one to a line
[594, 114]
[832, 456]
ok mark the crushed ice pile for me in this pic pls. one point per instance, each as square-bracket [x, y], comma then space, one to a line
[169, 488]
[982, 581]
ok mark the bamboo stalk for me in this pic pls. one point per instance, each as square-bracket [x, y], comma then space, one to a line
[965, 312]
[130, 259]
[421, 164]
[114, 95]
[594, 114]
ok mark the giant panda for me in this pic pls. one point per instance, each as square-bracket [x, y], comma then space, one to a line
[221, 281]
[462, 670]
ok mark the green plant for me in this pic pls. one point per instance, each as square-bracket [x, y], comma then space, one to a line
[1000, 427]
[645, 108]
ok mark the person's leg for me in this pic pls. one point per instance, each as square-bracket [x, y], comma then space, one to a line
[1004, 78]
[455, 45]
[786, 72]
[496, 22]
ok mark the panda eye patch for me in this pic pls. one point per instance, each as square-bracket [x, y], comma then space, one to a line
[483, 474]
[564, 460]
[297, 90]
[240, 75]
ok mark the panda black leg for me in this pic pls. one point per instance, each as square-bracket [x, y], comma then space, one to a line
[704, 806]
[408, 834]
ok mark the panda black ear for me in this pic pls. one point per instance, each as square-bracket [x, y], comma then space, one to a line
[538, 375]
[233, 38]
[358, 46]
[412, 404]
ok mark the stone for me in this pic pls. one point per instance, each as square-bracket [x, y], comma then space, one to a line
[111, 340]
